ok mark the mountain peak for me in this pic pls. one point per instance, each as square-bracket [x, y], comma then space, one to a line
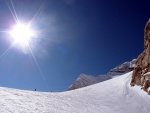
[85, 80]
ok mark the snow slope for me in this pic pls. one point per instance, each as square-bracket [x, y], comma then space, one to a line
[111, 96]
[86, 80]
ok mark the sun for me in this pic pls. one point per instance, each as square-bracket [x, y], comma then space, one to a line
[22, 33]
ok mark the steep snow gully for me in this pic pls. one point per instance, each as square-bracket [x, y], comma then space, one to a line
[111, 96]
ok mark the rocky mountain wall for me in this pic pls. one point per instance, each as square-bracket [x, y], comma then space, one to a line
[141, 73]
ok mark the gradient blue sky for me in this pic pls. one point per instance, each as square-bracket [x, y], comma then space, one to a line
[75, 37]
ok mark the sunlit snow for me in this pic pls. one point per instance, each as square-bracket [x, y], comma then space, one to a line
[111, 96]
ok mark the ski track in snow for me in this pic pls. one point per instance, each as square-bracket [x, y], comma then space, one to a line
[111, 96]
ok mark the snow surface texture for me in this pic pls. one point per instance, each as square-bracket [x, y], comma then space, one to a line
[86, 80]
[111, 96]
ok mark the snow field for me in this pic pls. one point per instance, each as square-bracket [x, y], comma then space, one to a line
[111, 96]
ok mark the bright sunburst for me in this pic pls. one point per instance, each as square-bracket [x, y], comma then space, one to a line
[23, 36]
[22, 33]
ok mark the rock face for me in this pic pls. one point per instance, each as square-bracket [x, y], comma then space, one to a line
[86, 80]
[141, 73]
[123, 68]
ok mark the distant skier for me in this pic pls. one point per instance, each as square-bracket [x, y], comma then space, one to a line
[35, 89]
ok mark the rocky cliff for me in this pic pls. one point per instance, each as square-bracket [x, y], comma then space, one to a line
[141, 73]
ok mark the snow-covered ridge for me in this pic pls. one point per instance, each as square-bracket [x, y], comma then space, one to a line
[86, 80]
[111, 96]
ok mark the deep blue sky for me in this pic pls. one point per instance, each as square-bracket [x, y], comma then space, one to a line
[75, 37]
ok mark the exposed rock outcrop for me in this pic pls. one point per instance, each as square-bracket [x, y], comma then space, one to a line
[123, 68]
[86, 80]
[141, 73]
